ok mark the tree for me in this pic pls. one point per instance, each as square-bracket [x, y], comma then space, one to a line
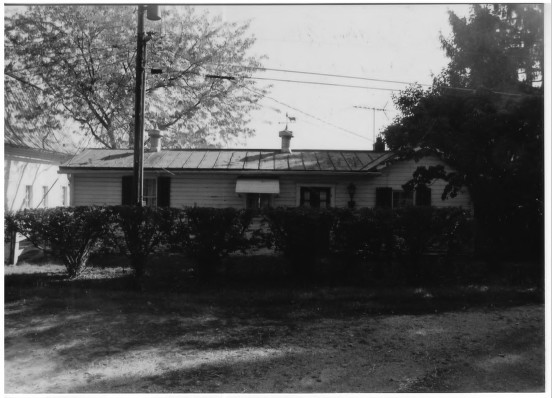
[82, 59]
[497, 47]
[489, 127]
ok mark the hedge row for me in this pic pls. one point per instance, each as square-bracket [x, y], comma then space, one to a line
[208, 234]
[387, 235]
[74, 233]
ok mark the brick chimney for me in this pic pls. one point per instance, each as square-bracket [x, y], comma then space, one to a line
[286, 139]
[155, 140]
[379, 145]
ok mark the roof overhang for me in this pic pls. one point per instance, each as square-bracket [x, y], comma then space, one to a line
[251, 173]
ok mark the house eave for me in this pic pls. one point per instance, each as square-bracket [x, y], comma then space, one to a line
[22, 153]
[126, 170]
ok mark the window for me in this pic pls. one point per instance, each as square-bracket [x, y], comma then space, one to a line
[317, 197]
[258, 200]
[388, 197]
[150, 192]
[156, 191]
[423, 196]
[64, 196]
[258, 192]
[28, 199]
[402, 198]
[45, 196]
[384, 197]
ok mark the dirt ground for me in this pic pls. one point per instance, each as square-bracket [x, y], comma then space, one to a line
[86, 339]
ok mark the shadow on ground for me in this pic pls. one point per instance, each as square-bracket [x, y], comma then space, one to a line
[97, 334]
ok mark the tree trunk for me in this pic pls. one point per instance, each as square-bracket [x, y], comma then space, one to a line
[75, 267]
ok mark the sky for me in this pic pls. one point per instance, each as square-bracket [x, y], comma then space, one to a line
[397, 42]
[380, 42]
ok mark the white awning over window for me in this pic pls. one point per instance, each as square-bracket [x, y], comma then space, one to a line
[257, 186]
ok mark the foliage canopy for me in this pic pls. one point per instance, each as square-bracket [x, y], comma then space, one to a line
[484, 116]
[82, 60]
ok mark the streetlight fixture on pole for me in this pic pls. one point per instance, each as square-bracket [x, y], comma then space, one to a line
[138, 186]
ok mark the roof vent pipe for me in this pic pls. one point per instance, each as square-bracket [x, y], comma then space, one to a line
[155, 140]
[286, 136]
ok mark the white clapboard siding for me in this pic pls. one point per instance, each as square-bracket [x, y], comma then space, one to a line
[206, 190]
[20, 172]
[92, 189]
[219, 189]
[398, 173]
[394, 176]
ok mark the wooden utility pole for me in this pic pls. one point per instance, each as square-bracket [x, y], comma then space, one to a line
[139, 102]
[138, 186]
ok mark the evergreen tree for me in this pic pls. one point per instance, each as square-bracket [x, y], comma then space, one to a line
[484, 116]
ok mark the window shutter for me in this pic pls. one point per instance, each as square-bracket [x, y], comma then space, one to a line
[384, 197]
[163, 191]
[423, 196]
[127, 190]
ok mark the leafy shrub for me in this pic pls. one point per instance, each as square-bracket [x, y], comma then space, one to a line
[347, 233]
[364, 235]
[454, 231]
[302, 234]
[414, 230]
[380, 233]
[413, 233]
[209, 234]
[381, 237]
[32, 223]
[137, 232]
[425, 230]
[70, 233]
[9, 226]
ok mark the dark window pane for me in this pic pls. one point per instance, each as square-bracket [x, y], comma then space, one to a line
[127, 190]
[164, 191]
[258, 200]
[423, 196]
[315, 197]
[384, 197]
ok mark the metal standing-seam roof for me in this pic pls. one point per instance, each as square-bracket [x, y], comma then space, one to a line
[261, 160]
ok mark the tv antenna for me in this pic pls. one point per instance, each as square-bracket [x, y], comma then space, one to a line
[384, 110]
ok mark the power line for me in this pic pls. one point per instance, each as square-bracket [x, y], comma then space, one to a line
[326, 74]
[471, 90]
[321, 83]
[274, 79]
[299, 110]
[306, 113]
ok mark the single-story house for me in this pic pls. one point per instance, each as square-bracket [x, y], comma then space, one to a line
[251, 178]
[31, 178]
[33, 152]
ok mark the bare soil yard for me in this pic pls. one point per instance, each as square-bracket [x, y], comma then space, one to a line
[96, 335]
